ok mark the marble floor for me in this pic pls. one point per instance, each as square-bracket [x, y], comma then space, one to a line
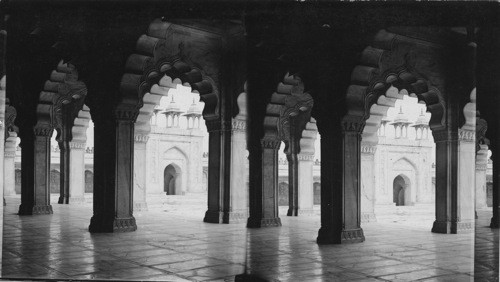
[173, 244]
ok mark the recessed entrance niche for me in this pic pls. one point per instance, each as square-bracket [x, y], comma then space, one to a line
[400, 188]
[171, 179]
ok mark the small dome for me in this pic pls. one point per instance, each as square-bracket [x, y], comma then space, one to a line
[401, 117]
[194, 108]
[422, 119]
[173, 107]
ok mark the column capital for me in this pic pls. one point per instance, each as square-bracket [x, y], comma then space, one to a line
[368, 149]
[270, 143]
[9, 154]
[126, 114]
[43, 131]
[239, 125]
[445, 135]
[353, 124]
[467, 135]
[77, 145]
[218, 125]
[305, 157]
[141, 138]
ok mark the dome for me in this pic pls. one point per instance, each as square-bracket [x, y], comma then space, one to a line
[401, 117]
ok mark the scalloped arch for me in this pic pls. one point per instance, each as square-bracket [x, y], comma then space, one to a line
[142, 72]
[62, 88]
[287, 101]
[368, 84]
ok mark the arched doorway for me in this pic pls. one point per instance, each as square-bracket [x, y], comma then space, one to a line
[400, 188]
[171, 180]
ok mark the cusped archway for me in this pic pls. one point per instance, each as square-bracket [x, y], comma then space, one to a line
[401, 190]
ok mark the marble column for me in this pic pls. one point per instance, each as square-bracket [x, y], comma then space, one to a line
[77, 172]
[9, 175]
[340, 181]
[35, 177]
[454, 179]
[368, 182]
[65, 171]
[293, 181]
[140, 141]
[481, 167]
[219, 171]
[267, 216]
[305, 184]
[239, 189]
[113, 167]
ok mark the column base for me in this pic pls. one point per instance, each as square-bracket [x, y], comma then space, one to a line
[328, 236]
[77, 200]
[108, 224]
[25, 209]
[368, 217]
[213, 217]
[306, 212]
[495, 222]
[42, 209]
[238, 216]
[292, 212]
[263, 222]
[452, 227]
[141, 206]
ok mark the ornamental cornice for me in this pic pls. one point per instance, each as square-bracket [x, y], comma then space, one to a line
[77, 145]
[305, 157]
[270, 143]
[141, 138]
[466, 135]
[368, 149]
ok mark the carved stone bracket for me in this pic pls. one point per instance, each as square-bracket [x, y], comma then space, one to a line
[467, 135]
[270, 143]
[141, 138]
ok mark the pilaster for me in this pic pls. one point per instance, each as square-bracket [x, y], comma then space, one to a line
[368, 182]
[140, 141]
[9, 178]
[77, 172]
[238, 189]
[305, 184]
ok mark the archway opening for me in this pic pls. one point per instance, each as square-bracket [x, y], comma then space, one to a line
[400, 188]
[170, 179]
